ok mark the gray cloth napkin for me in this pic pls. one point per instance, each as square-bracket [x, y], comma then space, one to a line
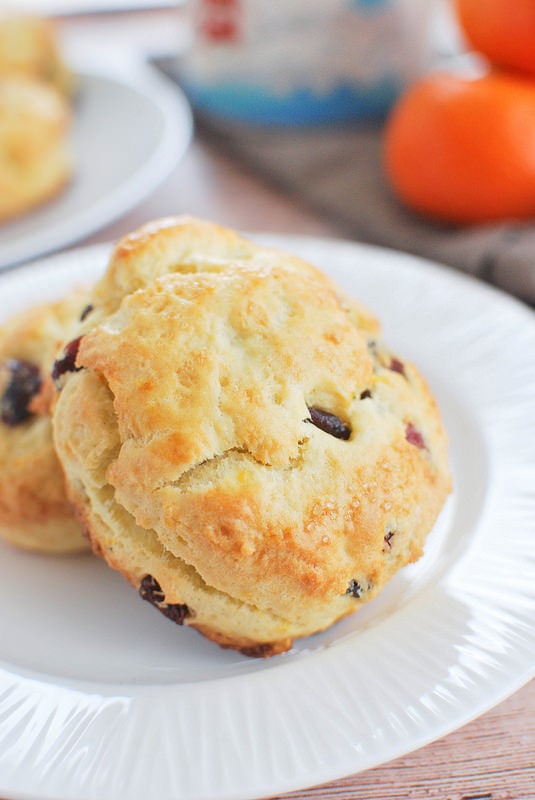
[339, 173]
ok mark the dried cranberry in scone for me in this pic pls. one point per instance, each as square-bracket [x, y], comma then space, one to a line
[23, 384]
[67, 361]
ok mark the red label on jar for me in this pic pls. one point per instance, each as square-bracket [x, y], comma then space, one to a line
[220, 20]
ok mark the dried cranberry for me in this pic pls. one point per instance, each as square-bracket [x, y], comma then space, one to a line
[24, 383]
[397, 366]
[67, 362]
[388, 540]
[85, 313]
[258, 650]
[354, 589]
[151, 591]
[329, 423]
[413, 436]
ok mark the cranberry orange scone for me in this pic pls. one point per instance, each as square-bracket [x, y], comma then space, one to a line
[34, 510]
[238, 443]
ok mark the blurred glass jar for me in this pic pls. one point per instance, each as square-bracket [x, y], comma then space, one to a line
[303, 62]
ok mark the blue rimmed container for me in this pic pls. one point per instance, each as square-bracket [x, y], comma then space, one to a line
[303, 62]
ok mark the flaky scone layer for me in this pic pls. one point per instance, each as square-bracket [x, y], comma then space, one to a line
[239, 444]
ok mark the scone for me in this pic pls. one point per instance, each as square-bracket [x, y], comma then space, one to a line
[29, 47]
[238, 442]
[35, 159]
[34, 510]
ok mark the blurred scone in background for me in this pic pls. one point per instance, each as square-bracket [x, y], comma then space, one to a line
[35, 115]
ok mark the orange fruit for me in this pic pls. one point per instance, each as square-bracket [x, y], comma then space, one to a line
[503, 30]
[463, 150]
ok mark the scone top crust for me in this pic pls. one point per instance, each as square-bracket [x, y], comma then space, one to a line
[239, 420]
[219, 362]
[185, 244]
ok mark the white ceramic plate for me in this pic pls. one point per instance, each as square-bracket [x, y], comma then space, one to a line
[103, 699]
[126, 138]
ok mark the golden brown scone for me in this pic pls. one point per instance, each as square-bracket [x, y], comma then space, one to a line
[238, 445]
[35, 161]
[29, 47]
[34, 510]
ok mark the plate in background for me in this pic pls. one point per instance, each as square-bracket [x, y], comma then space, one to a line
[126, 138]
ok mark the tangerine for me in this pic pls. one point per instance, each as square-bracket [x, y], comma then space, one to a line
[503, 30]
[463, 150]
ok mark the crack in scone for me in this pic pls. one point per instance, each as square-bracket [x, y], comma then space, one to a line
[119, 535]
